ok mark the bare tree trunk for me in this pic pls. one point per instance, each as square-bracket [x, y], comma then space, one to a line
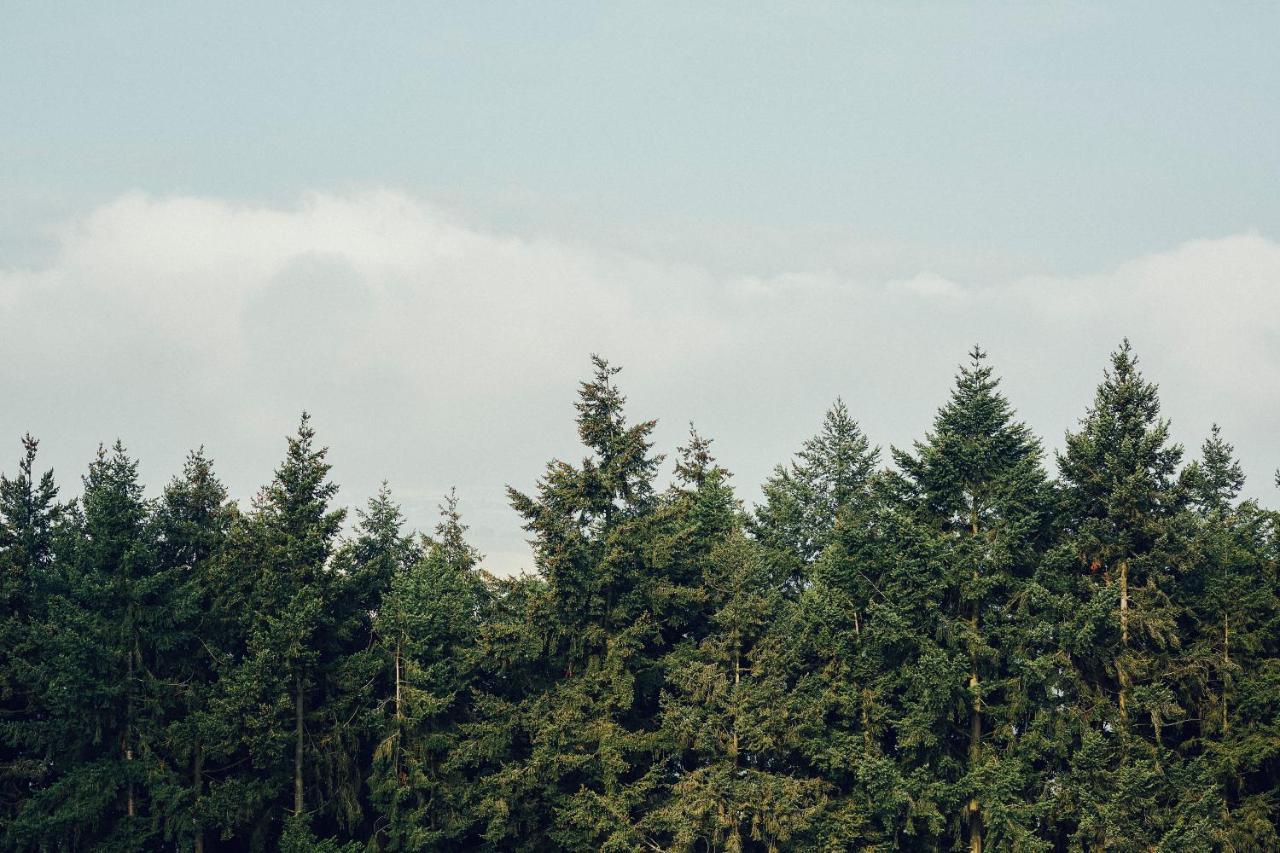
[975, 713]
[131, 806]
[975, 753]
[1226, 662]
[297, 746]
[1124, 603]
[737, 679]
[399, 715]
[1124, 634]
[197, 779]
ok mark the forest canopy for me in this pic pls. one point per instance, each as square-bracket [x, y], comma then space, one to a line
[938, 647]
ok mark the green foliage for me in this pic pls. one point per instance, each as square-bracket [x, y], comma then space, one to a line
[951, 652]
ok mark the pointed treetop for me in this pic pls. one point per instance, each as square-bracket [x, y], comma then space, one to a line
[600, 417]
[381, 519]
[839, 459]
[623, 468]
[830, 475]
[28, 511]
[977, 413]
[1121, 464]
[450, 536]
[696, 462]
[1215, 480]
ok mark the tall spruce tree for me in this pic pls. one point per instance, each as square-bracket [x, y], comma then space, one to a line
[977, 492]
[803, 500]
[192, 524]
[1229, 598]
[839, 555]
[425, 635]
[616, 594]
[97, 729]
[273, 690]
[1122, 505]
[29, 517]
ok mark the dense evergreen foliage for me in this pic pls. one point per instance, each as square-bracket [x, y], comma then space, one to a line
[954, 650]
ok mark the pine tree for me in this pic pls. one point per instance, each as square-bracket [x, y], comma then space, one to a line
[97, 729]
[611, 597]
[271, 691]
[1121, 514]
[725, 710]
[803, 500]
[192, 525]
[29, 517]
[1229, 617]
[349, 675]
[976, 488]
[425, 633]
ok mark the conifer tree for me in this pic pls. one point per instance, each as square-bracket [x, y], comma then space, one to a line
[1228, 619]
[425, 633]
[272, 689]
[976, 490]
[349, 674]
[192, 524]
[29, 516]
[834, 696]
[1121, 510]
[610, 593]
[804, 499]
[725, 709]
[97, 730]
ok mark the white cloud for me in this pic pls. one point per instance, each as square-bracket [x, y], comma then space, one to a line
[434, 352]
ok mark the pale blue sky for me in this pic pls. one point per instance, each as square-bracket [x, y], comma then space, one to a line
[1065, 137]
[417, 220]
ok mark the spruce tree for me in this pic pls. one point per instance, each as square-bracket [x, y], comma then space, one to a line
[272, 691]
[425, 633]
[97, 728]
[29, 517]
[192, 525]
[610, 594]
[804, 499]
[976, 491]
[1228, 637]
[1122, 541]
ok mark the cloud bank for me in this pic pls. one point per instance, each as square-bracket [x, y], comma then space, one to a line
[434, 352]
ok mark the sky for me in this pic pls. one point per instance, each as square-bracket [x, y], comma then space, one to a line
[418, 220]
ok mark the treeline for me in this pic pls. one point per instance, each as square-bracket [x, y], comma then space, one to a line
[951, 651]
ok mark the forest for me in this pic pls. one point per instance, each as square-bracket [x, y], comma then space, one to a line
[966, 644]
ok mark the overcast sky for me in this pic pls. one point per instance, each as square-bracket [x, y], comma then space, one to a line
[417, 221]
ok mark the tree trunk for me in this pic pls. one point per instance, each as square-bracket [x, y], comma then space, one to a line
[975, 713]
[297, 746]
[398, 713]
[399, 716]
[1124, 635]
[975, 753]
[1124, 603]
[1226, 662]
[197, 781]
[131, 806]
[737, 679]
